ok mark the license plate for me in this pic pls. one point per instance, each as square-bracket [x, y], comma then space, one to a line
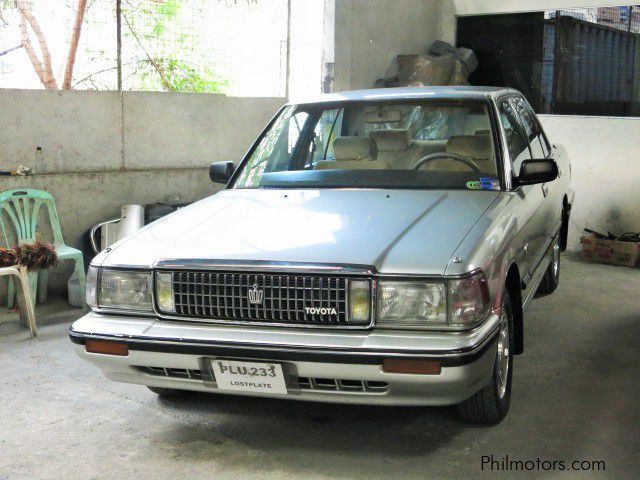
[249, 376]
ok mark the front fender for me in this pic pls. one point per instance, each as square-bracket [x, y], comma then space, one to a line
[492, 245]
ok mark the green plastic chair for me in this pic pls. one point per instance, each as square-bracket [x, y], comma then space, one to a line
[22, 208]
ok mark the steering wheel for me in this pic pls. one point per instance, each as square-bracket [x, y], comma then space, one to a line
[459, 158]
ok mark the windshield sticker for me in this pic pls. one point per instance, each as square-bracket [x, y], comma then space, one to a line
[490, 183]
[484, 184]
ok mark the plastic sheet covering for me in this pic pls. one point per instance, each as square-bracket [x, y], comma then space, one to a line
[428, 70]
[443, 64]
[465, 55]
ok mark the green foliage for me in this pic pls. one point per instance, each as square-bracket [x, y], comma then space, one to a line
[167, 10]
[179, 76]
[182, 77]
[167, 65]
[4, 6]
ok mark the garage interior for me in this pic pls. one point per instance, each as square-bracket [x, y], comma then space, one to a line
[97, 148]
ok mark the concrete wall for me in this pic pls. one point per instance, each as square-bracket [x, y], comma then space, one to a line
[82, 131]
[95, 151]
[605, 152]
[369, 34]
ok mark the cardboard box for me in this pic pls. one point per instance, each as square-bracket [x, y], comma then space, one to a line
[595, 249]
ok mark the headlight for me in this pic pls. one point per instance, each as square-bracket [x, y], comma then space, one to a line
[468, 300]
[411, 304]
[91, 288]
[164, 292]
[120, 289]
[359, 302]
[456, 303]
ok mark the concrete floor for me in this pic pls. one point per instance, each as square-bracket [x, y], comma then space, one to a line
[576, 396]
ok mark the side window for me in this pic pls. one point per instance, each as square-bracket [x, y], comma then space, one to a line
[319, 143]
[516, 142]
[328, 128]
[546, 148]
[532, 129]
[545, 143]
[296, 124]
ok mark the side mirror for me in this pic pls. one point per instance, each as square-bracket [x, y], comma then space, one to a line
[220, 172]
[537, 171]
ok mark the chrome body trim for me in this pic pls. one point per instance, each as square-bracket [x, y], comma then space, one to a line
[123, 311]
[259, 265]
[289, 267]
[479, 337]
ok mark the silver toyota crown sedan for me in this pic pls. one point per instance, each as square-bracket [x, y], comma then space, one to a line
[372, 247]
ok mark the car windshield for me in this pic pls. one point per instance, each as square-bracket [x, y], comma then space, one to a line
[418, 144]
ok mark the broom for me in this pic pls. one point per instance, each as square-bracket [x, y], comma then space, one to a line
[8, 257]
[36, 256]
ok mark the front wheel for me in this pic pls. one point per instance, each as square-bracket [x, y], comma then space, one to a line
[491, 404]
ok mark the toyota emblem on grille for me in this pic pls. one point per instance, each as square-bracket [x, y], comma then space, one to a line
[256, 295]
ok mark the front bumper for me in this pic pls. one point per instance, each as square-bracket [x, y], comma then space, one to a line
[171, 355]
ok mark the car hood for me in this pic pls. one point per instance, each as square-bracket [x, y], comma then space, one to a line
[395, 231]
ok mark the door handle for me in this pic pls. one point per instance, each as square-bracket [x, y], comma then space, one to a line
[545, 190]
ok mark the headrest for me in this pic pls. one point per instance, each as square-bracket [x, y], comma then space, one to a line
[353, 148]
[383, 116]
[393, 140]
[474, 146]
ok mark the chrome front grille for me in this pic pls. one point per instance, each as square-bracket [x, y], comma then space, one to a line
[173, 372]
[340, 385]
[264, 298]
[304, 383]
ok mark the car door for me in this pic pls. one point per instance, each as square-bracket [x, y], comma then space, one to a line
[530, 216]
[540, 148]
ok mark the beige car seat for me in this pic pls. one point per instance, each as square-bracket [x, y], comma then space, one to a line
[352, 153]
[477, 148]
[399, 151]
[396, 148]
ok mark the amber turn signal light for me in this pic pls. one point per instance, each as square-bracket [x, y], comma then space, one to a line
[106, 347]
[416, 367]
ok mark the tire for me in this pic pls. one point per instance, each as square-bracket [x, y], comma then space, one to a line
[491, 404]
[168, 392]
[551, 277]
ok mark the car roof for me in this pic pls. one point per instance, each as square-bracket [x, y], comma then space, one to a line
[410, 93]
